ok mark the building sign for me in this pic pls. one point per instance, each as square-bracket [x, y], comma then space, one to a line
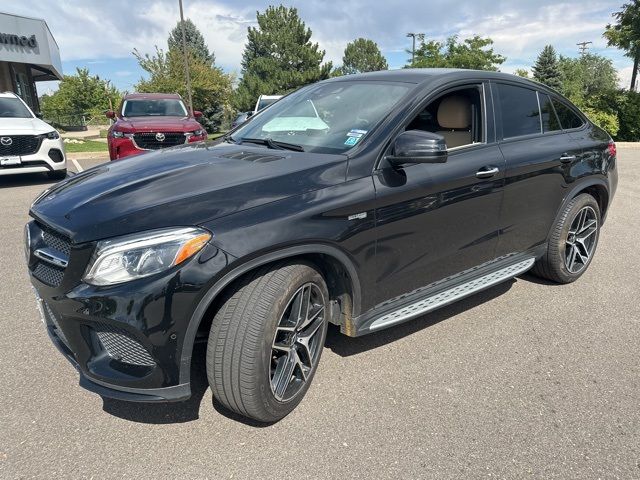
[22, 41]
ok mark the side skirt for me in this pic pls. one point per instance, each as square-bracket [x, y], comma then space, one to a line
[444, 293]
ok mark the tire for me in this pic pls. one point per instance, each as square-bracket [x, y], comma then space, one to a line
[57, 174]
[563, 245]
[244, 355]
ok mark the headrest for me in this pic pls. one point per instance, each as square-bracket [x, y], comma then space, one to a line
[454, 112]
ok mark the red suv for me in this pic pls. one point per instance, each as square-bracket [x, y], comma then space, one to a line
[150, 121]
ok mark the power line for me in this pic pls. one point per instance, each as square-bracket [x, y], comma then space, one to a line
[583, 47]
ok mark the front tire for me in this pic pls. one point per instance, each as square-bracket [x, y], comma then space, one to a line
[572, 242]
[266, 340]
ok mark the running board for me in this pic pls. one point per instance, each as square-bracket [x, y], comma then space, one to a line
[451, 295]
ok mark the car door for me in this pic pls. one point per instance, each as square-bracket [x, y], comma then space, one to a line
[538, 155]
[436, 220]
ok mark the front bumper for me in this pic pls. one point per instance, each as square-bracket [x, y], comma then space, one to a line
[122, 147]
[49, 157]
[127, 341]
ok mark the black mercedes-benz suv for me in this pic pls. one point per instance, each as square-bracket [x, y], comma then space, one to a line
[363, 201]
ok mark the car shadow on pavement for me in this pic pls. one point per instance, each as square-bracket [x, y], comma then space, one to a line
[163, 413]
[347, 346]
[25, 179]
[188, 410]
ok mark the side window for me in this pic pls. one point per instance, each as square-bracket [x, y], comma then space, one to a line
[457, 116]
[520, 111]
[550, 121]
[568, 118]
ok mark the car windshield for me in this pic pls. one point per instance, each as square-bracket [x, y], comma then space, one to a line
[158, 107]
[11, 107]
[327, 117]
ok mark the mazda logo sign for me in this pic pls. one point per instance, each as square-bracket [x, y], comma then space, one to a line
[6, 141]
[160, 137]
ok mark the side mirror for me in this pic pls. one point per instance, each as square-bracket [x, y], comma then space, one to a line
[197, 114]
[38, 115]
[250, 114]
[110, 114]
[418, 146]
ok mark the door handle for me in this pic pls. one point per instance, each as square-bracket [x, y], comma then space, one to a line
[565, 158]
[487, 172]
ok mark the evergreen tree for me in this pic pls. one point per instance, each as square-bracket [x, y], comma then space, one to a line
[362, 55]
[278, 57]
[521, 72]
[547, 69]
[194, 40]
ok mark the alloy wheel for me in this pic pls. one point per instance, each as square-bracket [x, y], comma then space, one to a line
[581, 240]
[296, 348]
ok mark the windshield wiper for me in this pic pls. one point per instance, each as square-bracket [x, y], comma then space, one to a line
[228, 138]
[274, 144]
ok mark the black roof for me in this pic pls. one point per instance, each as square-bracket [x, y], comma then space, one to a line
[424, 75]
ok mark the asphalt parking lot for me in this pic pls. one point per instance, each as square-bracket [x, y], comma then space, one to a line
[525, 380]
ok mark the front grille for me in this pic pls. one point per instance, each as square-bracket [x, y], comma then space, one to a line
[56, 240]
[151, 141]
[121, 346]
[49, 274]
[19, 145]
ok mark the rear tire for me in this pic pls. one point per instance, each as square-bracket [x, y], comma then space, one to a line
[258, 363]
[57, 174]
[572, 242]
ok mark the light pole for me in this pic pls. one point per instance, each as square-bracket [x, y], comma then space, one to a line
[413, 48]
[186, 58]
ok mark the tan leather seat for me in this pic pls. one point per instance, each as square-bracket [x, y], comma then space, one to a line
[454, 115]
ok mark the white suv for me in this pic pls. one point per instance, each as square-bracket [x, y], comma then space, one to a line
[27, 144]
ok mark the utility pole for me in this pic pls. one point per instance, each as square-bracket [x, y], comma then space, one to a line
[413, 48]
[583, 47]
[186, 58]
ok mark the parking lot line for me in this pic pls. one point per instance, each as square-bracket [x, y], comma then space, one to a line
[77, 165]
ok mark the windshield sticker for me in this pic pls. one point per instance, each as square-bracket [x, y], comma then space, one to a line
[351, 141]
[356, 133]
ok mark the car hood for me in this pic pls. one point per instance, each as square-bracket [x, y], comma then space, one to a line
[187, 185]
[23, 126]
[155, 124]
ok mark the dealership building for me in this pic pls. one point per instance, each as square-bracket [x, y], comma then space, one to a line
[28, 54]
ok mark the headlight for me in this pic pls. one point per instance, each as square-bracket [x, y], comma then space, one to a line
[140, 255]
[117, 134]
[51, 135]
[199, 133]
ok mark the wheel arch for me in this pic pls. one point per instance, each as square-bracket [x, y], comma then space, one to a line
[337, 268]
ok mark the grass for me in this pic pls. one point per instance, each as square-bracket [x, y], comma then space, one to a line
[213, 136]
[86, 146]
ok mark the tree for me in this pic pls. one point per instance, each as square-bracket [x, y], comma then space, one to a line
[472, 53]
[629, 116]
[211, 87]
[521, 72]
[625, 34]
[79, 95]
[546, 69]
[591, 82]
[194, 40]
[362, 55]
[278, 57]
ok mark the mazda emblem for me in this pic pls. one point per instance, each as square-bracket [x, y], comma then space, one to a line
[160, 137]
[6, 141]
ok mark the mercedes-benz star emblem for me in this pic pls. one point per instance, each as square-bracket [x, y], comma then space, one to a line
[160, 137]
[6, 141]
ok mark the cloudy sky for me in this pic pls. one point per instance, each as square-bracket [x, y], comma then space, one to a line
[100, 34]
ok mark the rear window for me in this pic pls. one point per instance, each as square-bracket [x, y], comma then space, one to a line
[568, 118]
[520, 112]
[550, 121]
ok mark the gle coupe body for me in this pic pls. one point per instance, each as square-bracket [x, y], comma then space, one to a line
[364, 201]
